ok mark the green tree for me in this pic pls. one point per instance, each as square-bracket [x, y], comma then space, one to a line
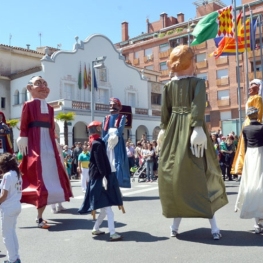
[65, 117]
[12, 123]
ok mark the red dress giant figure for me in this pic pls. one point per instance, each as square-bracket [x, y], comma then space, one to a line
[44, 178]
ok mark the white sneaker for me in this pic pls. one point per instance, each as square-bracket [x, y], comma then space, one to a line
[258, 230]
[173, 233]
[216, 236]
[60, 208]
[115, 237]
[97, 232]
[53, 210]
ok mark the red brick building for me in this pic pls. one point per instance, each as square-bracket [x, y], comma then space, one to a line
[150, 50]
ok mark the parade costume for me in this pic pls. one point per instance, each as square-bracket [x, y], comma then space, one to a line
[44, 178]
[190, 181]
[103, 189]
[250, 195]
[5, 141]
[115, 124]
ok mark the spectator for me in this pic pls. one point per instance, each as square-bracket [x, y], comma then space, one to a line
[130, 153]
[148, 156]
[137, 153]
[75, 155]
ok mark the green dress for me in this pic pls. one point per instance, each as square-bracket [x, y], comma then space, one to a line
[188, 186]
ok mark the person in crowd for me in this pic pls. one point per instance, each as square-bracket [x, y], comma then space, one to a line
[148, 157]
[214, 138]
[103, 190]
[66, 151]
[10, 206]
[130, 153]
[186, 187]
[254, 100]
[45, 180]
[143, 139]
[75, 155]
[155, 158]
[68, 163]
[227, 150]
[250, 194]
[112, 134]
[137, 153]
[5, 140]
[83, 166]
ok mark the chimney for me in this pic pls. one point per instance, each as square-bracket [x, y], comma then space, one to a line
[125, 29]
[163, 19]
[180, 17]
[28, 46]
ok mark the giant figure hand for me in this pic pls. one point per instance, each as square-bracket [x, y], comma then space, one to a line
[160, 138]
[113, 138]
[198, 142]
[22, 143]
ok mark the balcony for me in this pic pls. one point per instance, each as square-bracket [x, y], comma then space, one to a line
[80, 105]
[141, 111]
[222, 81]
[201, 46]
[224, 102]
[221, 61]
[165, 54]
[128, 61]
[257, 53]
[136, 61]
[201, 64]
[165, 73]
[251, 75]
[148, 58]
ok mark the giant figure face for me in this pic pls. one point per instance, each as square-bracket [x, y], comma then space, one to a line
[253, 89]
[38, 88]
[115, 105]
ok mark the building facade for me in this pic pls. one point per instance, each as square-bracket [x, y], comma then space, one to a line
[150, 51]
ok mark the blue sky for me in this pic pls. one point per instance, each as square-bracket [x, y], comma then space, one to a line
[59, 22]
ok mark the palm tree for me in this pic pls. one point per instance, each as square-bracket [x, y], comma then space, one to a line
[12, 123]
[65, 117]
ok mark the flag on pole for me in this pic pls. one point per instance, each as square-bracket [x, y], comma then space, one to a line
[216, 24]
[79, 79]
[227, 46]
[85, 80]
[95, 81]
[89, 79]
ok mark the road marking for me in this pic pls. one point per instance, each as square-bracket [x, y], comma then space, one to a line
[124, 194]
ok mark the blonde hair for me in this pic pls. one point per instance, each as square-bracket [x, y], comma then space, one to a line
[180, 58]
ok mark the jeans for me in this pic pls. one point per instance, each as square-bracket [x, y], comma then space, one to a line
[149, 170]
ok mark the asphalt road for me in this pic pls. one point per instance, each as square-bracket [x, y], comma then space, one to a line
[146, 234]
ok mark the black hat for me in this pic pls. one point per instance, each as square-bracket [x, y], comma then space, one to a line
[251, 110]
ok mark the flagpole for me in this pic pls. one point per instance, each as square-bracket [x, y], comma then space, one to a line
[253, 42]
[245, 35]
[92, 91]
[260, 42]
[237, 70]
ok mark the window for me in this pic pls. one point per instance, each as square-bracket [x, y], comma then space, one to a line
[164, 47]
[24, 95]
[16, 97]
[69, 91]
[222, 73]
[103, 96]
[132, 99]
[148, 52]
[225, 115]
[136, 54]
[200, 57]
[149, 67]
[163, 66]
[156, 98]
[202, 76]
[2, 103]
[103, 74]
[207, 118]
[223, 94]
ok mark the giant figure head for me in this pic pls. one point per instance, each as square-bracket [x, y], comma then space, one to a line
[38, 88]
[254, 87]
[115, 106]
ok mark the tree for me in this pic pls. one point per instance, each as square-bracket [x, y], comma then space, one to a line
[12, 123]
[65, 117]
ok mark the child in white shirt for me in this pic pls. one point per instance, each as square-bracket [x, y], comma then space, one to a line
[10, 208]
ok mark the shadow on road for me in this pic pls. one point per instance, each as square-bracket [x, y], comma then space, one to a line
[139, 198]
[229, 238]
[134, 236]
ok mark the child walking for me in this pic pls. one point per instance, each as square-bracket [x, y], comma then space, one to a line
[10, 206]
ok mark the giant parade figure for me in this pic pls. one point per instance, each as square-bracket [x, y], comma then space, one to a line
[44, 178]
[190, 179]
[254, 100]
[112, 129]
[5, 141]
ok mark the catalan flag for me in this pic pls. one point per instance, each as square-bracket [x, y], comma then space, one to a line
[85, 80]
[216, 24]
[227, 46]
[89, 79]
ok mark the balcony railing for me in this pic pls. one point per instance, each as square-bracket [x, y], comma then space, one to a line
[251, 75]
[156, 112]
[224, 102]
[165, 54]
[201, 64]
[102, 107]
[222, 81]
[201, 46]
[221, 61]
[136, 61]
[79, 105]
[165, 72]
[257, 53]
[141, 111]
[148, 58]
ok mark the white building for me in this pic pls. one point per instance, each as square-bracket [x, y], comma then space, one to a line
[116, 79]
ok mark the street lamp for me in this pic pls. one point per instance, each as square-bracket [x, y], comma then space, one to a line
[189, 27]
[97, 63]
